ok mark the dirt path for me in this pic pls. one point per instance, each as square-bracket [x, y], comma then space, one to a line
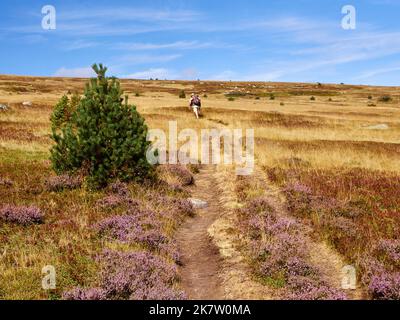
[201, 261]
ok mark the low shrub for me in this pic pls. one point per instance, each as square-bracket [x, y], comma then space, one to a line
[6, 182]
[182, 95]
[63, 182]
[183, 175]
[138, 276]
[85, 294]
[385, 98]
[23, 215]
[385, 286]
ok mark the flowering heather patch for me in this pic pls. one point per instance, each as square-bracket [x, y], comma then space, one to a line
[175, 205]
[132, 228]
[6, 182]
[21, 215]
[279, 252]
[181, 173]
[298, 197]
[63, 182]
[119, 188]
[309, 289]
[142, 227]
[389, 250]
[85, 294]
[111, 201]
[138, 276]
[357, 210]
[385, 286]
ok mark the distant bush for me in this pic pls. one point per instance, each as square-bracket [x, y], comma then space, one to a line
[271, 96]
[369, 97]
[182, 95]
[312, 98]
[231, 99]
[330, 100]
[257, 98]
[205, 96]
[137, 94]
[103, 138]
[282, 104]
[385, 98]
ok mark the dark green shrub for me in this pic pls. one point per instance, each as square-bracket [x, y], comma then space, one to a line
[312, 98]
[231, 99]
[271, 96]
[385, 98]
[104, 139]
[182, 95]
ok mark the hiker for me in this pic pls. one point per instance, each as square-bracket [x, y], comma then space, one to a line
[195, 105]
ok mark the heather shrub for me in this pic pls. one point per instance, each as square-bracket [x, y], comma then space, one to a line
[6, 182]
[139, 227]
[63, 182]
[85, 294]
[138, 276]
[183, 175]
[389, 252]
[298, 197]
[175, 206]
[23, 215]
[279, 252]
[103, 138]
[304, 288]
[111, 201]
[385, 286]
[119, 188]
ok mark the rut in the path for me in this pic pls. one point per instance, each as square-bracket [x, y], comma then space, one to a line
[201, 261]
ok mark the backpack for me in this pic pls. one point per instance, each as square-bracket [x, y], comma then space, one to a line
[196, 101]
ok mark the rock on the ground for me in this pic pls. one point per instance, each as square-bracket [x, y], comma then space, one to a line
[3, 107]
[382, 126]
[198, 204]
[27, 103]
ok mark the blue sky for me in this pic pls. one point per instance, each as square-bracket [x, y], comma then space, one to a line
[260, 40]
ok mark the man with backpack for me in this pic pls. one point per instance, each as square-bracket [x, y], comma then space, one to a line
[195, 105]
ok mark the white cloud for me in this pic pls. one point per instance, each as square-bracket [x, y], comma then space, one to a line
[144, 59]
[79, 44]
[180, 45]
[85, 72]
[155, 73]
[129, 14]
